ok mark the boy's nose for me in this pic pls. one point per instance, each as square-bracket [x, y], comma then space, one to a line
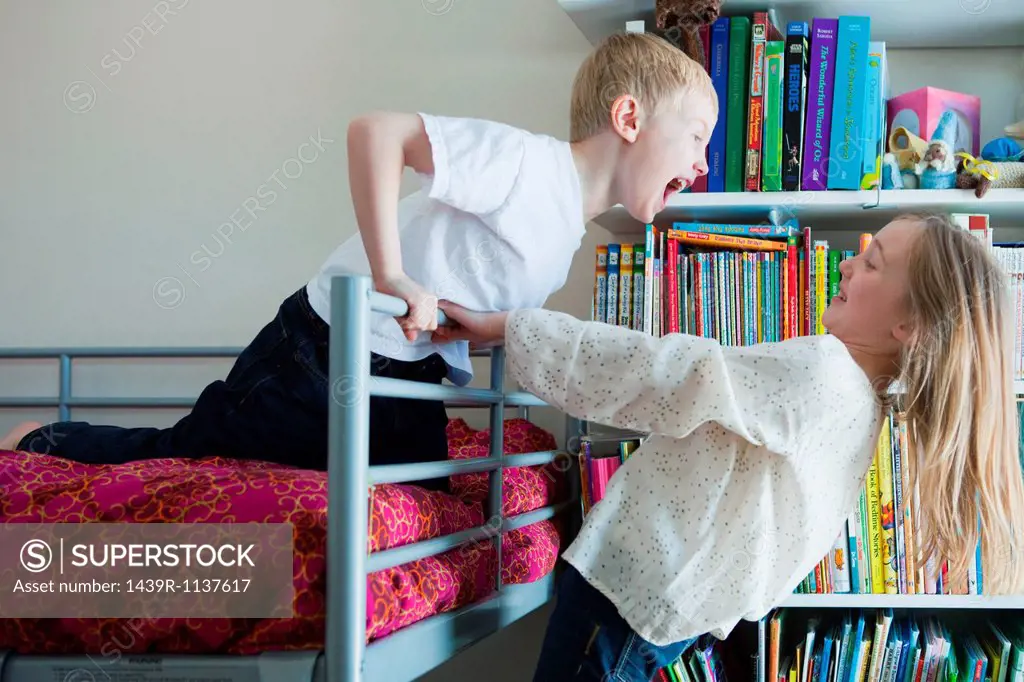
[701, 166]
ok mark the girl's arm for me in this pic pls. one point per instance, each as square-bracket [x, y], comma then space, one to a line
[668, 385]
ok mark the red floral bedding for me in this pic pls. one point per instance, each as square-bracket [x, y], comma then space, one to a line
[37, 488]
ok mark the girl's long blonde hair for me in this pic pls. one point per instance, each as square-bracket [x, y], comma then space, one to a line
[961, 409]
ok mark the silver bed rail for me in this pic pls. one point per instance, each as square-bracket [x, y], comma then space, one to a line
[350, 475]
[415, 649]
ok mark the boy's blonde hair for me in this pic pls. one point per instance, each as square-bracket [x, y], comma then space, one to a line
[651, 69]
[961, 409]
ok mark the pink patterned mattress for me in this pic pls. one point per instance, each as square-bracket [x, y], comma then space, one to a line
[37, 488]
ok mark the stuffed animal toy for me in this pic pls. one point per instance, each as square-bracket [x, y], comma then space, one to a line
[679, 21]
[937, 168]
[913, 164]
[1001, 165]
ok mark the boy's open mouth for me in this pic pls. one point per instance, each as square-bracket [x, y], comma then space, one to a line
[674, 186]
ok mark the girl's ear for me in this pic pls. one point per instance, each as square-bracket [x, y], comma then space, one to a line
[904, 333]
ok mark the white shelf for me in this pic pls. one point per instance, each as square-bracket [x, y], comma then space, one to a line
[903, 601]
[900, 23]
[835, 210]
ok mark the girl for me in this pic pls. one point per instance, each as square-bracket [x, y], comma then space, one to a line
[757, 454]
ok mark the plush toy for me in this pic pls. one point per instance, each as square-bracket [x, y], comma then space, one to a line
[678, 21]
[938, 167]
[1001, 165]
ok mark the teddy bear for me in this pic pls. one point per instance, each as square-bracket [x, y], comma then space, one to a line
[679, 21]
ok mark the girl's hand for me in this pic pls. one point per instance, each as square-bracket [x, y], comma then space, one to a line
[422, 314]
[480, 329]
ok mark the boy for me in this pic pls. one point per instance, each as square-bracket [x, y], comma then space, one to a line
[495, 227]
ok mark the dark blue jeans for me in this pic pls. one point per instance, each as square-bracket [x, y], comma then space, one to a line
[273, 407]
[588, 641]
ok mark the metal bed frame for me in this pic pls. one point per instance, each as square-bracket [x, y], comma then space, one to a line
[407, 653]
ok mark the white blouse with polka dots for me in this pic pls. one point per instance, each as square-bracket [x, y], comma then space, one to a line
[756, 458]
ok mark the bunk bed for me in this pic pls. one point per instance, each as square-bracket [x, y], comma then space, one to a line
[390, 579]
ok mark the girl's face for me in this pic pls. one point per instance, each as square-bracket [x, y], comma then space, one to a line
[871, 310]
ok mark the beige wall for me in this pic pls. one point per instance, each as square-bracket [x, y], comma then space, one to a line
[175, 137]
[133, 132]
[137, 136]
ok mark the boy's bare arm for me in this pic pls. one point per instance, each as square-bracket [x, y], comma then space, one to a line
[380, 146]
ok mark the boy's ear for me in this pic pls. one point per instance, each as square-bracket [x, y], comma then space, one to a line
[625, 114]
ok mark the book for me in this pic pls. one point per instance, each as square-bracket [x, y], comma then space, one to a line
[795, 69]
[771, 170]
[875, 107]
[762, 31]
[847, 145]
[820, 91]
[736, 104]
[718, 67]
[725, 241]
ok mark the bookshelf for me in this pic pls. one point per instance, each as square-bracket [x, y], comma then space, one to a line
[969, 46]
[903, 601]
[901, 24]
[834, 211]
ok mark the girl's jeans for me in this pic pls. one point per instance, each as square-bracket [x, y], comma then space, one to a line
[588, 641]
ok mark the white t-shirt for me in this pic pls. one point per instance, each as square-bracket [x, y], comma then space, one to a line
[756, 458]
[494, 228]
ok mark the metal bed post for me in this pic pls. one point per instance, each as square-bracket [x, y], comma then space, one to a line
[347, 496]
[64, 410]
[497, 450]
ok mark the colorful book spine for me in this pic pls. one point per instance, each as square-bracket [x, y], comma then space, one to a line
[887, 515]
[712, 240]
[875, 106]
[625, 285]
[820, 284]
[846, 155]
[763, 231]
[874, 528]
[611, 315]
[755, 107]
[771, 155]
[639, 267]
[795, 102]
[650, 232]
[834, 256]
[820, 87]
[793, 281]
[718, 67]
[599, 309]
[856, 557]
[736, 106]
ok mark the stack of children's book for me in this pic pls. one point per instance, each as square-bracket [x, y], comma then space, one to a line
[741, 284]
[872, 553]
[801, 106]
[874, 646]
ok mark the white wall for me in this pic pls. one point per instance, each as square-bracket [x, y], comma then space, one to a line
[137, 133]
[116, 170]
